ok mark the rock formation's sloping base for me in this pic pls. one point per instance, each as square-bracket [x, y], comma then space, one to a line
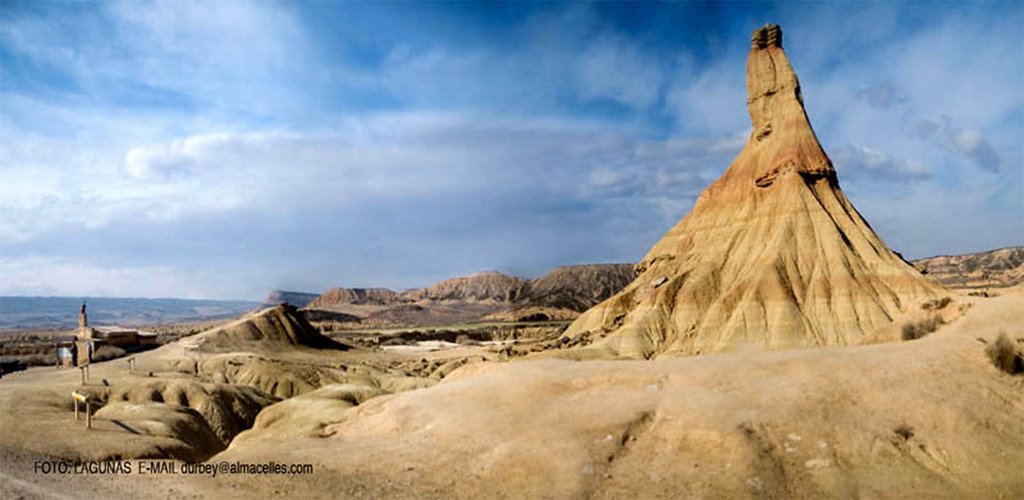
[272, 329]
[772, 256]
[930, 418]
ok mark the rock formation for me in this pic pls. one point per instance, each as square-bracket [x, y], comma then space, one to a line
[358, 296]
[297, 299]
[773, 255]
[484, 286]
[999, 268]
[577, 288]
[270, 329]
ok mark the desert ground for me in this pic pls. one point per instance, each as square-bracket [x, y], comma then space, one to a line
[924, 418]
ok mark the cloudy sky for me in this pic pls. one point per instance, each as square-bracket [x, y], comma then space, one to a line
[223, 149]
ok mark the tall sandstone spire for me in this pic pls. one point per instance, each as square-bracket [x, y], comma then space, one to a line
[772, 256]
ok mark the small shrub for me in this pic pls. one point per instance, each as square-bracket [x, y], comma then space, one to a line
[920, 328]
[935, 305]
[1004, 355]
[904, 431]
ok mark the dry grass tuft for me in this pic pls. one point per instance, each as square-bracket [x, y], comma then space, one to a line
[1005, 356]
[917, 329]
[937, 304]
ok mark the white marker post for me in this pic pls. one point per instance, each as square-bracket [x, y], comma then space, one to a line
[79, 397]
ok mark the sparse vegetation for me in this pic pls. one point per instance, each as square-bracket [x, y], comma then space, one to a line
[904, 431]
[466, 340]
[937, 304]
[394, 341]
[1005, 355]
[917, 329]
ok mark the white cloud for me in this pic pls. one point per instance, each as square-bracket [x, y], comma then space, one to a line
[858, 161]
[46, 276]
[202, 131]
[616, 68]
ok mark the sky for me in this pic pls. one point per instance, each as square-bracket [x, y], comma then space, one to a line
[225, 149]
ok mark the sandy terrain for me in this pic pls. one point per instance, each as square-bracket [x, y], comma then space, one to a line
[924, 418]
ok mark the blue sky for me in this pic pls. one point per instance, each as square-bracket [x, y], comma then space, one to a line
[223, 149]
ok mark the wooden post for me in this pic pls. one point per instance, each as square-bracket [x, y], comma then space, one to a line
[80, 397]
[82, 370]
[131, 361]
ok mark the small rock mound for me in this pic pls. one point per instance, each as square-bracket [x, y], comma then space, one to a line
[286, 379]
[273, 328]
[225, 409]
[308, 414]
[182, 432]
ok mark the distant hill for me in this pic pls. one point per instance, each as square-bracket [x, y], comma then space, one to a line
[270, 329]
[297, 299]
[479, 287]
[561, 294]
[355, 296]
[62, 312]
[1002, 267]
[577, 288]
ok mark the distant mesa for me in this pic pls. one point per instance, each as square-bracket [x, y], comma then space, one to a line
[484, 286]
[491, 296]
[772, 256]
[297, 299]
[999, 268]
[356, 296]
